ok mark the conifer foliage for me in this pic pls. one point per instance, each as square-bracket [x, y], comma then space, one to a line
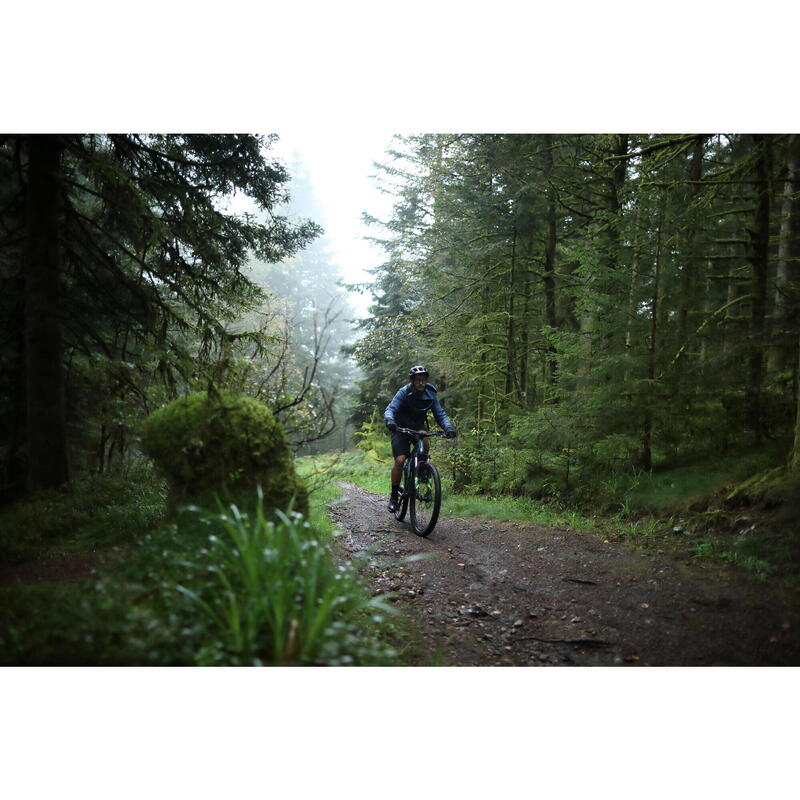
[599, 300]
[119, 268]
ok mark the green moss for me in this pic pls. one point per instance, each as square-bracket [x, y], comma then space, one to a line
[770, 488]
[223, 447]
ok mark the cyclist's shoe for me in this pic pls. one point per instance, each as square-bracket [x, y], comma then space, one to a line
[394, 502]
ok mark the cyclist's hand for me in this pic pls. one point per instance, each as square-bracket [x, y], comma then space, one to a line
[450, 433]
[392, 426]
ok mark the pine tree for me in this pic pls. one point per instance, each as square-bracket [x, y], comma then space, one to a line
[126, 234]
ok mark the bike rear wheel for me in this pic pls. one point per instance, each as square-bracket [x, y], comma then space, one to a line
[425, 499]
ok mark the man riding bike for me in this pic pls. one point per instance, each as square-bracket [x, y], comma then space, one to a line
[409, 409]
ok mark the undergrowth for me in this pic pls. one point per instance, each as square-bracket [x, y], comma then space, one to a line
[217, 587]
[226, 587]
[99, 511]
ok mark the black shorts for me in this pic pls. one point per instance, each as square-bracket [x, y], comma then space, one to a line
[402, 443]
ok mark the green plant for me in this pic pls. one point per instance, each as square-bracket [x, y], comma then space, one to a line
[372, 440]
[749, 554]
[637, 529]
[273, 594]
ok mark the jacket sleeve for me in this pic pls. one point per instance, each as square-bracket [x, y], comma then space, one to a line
[394, 406]
[441, 417]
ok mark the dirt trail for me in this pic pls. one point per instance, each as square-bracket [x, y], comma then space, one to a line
[490, 593]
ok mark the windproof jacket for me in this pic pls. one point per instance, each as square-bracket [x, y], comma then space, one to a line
[409, 411]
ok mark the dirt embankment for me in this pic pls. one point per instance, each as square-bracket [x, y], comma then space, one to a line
[507, 594]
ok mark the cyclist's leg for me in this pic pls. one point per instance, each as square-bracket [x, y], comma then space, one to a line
[401, 446]
[397, 470]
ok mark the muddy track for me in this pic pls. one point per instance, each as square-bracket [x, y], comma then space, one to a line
[489, 593]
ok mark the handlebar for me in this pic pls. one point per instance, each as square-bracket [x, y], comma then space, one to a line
[420, 434]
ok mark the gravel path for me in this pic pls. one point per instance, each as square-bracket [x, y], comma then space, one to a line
[486, 593]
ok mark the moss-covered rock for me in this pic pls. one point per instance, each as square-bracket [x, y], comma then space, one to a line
[223, 446]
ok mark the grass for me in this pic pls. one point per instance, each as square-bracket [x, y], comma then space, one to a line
[748, 555]
[516, 509]
[98, 512]
[321, 472]
[673, 487]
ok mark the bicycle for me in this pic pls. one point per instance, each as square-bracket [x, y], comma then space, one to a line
[421, 488]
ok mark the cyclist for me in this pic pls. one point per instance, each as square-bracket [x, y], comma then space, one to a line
[409, 409]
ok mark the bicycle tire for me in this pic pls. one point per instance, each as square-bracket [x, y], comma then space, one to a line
[402, 504]
[425, 502]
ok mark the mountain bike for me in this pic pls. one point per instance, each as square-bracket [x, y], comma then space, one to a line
[421, 489]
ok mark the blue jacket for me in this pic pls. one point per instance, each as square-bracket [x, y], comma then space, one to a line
[408, 411]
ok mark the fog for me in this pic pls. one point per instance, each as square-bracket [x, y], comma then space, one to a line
[340, 166]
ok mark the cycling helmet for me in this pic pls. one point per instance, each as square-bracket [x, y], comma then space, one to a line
[418, 370]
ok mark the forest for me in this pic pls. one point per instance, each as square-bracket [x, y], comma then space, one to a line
[612, 322]
[593, 304]
[139, 286]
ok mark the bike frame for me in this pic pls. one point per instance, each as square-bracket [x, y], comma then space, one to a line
[419, 447]
[416, 454]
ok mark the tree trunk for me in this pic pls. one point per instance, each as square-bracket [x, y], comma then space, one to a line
[734, 290]
[632, 290]
[549, 267]
[608, 218]
[786, 276]
[46, 427]
[525, 337]
[707, 311]
[794, 458]
[510, 368]
[689, 270]
[647, 428]
[758, 257]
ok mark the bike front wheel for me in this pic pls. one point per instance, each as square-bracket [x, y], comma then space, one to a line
[426, 498]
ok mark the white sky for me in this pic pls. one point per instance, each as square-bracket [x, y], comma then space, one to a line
[339, 163]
